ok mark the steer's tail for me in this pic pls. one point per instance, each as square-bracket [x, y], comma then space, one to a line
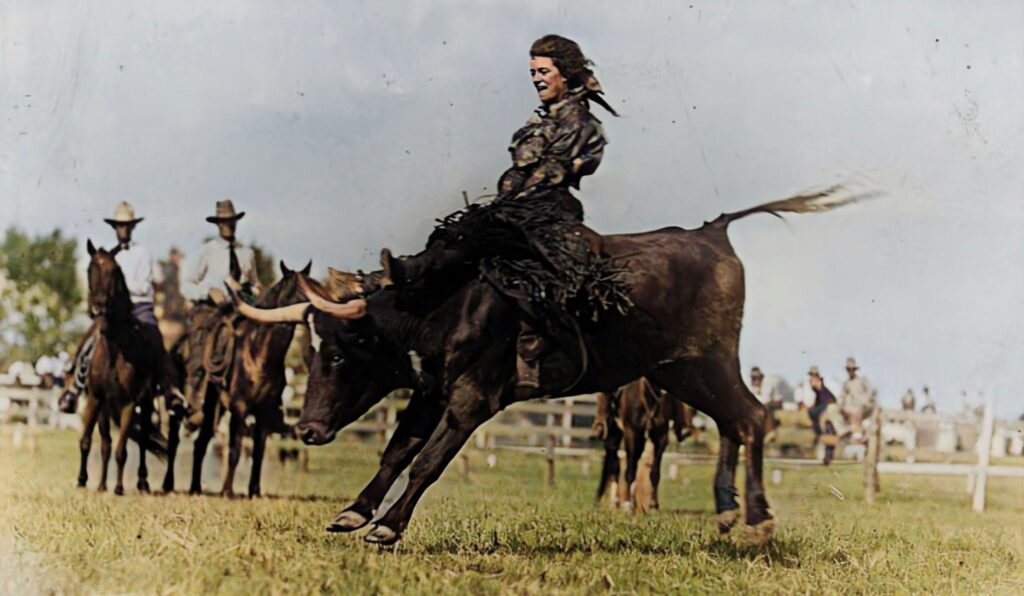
[812, 202]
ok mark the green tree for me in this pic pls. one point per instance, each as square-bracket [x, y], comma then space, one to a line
[39, 294]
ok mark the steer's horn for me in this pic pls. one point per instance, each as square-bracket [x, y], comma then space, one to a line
[353, 309]
[294, 313]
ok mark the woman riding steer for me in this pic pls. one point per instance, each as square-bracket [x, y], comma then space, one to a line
[530, 242]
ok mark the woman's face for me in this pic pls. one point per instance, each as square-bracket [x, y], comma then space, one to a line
[550, 83]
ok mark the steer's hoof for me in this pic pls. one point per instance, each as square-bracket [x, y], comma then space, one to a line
[348, 521]
[759, 534]
[726, 520]
[383, 536]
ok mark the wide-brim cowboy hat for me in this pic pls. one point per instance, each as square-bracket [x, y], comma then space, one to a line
[225, 212]
[851, 362]
[814, 372]
[124, 213]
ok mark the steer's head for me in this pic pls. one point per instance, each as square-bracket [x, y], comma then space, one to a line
[354, 365]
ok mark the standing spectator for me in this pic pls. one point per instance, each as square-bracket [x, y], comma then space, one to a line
[822, 399]
[857, 398]
[908, 401]
[929, 403]
[766, 394]
[168, 283]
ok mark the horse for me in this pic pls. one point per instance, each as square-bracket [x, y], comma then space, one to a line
[638, 413]
[121, 378]
[457, 352]
[254, 383]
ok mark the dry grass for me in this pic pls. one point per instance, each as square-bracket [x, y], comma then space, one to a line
[499, 530]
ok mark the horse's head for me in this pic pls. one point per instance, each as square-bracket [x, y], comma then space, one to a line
[354, 364]
[107, 288]
[286, 291]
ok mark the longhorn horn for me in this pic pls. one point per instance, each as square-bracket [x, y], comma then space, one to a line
[353, 309]
[294, 313]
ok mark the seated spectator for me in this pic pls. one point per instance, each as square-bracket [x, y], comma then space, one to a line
[857, 399]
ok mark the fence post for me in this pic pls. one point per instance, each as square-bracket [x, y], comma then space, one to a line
[550, 453]
[567, 423]
[984, 447]
[871, 484]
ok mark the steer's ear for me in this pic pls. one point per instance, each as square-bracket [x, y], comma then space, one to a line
[89, 247]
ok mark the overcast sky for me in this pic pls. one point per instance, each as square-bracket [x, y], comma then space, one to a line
[343, 127]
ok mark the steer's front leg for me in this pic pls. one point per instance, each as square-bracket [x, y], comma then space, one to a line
[414, 428]
[464, 414]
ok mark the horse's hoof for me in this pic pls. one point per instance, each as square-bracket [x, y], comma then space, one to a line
[167, 488]
[727, 519]
[254, 494]
[81, 483]
[383, 536]
[119, 490]
[101, 488]
[759, 534]
[227, 494]
[143, 487]
[348, 521]
[195, 492]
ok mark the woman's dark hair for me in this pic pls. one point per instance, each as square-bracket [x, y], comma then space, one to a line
[567, 56]
[574, 66]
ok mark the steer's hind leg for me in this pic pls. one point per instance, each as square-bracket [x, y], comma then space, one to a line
[751, 420]
[467, 410]
[686, 380]
[414, 429]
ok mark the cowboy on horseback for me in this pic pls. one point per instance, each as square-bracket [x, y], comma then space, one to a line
[136, 264]
[220, 258]
[530, 241]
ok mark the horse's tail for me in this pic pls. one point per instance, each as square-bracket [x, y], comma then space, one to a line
[148, 437]
[828, 199]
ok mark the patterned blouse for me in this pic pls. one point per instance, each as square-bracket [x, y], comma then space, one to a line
[543, 151]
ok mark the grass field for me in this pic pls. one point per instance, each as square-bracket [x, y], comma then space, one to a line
[497, 530]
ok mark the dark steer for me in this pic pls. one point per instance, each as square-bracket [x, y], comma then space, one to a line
[458, 355]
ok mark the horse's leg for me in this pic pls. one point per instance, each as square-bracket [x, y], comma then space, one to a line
[236, 429]
[659, 437]
[202, 442]
[259, 444]
[105, 448]
[121, 451]
[145, 422]
[173, 440]
[611, 469]
[634, 442]
[92, 410]
[466, 411]
[414, 429]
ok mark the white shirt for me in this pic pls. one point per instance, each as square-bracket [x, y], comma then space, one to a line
[212, 265]
[137, 265]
